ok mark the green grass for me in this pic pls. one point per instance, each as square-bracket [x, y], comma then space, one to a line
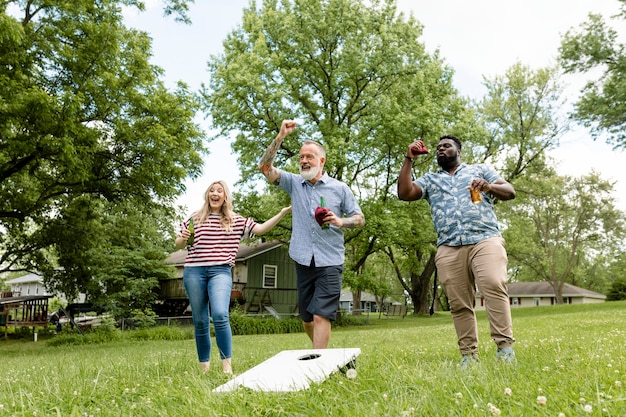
[572, 355]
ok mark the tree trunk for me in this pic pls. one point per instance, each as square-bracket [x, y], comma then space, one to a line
[356, 303]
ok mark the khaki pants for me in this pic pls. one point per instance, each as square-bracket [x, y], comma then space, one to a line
[482, 265]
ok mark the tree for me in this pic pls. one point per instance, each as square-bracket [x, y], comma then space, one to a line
[617, 276]
[557, 224]
[112, 252]
[521, 114]
[410, 245]
[355, 77]
[618, 290]
[86, 124]
[602, 106]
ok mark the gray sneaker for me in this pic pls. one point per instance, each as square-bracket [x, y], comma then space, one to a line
[506, 355]
[468, 360]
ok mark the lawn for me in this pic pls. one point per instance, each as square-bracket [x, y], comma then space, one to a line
[571, 362]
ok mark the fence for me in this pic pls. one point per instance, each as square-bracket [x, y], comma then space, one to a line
[129, 323]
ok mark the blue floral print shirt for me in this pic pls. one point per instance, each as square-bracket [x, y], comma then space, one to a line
[457, 220]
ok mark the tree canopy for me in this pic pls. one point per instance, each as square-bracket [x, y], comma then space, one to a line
[595, 48]
[85, 120]
[356, 78]
[558, 226]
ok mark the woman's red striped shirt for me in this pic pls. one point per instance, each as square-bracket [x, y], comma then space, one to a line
[215, 246]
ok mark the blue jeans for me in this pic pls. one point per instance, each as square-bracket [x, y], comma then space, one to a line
[209, 287]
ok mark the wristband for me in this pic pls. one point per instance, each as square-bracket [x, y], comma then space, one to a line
[409, 158]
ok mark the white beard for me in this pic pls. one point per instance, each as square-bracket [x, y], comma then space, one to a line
[310, 174]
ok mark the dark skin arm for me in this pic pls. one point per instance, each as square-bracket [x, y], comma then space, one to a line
[410, 191]
[407, 189]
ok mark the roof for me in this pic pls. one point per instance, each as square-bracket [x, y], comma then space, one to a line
[346, 295]
[25, 279]
[244, 253]
[545, 289]
[250, 251]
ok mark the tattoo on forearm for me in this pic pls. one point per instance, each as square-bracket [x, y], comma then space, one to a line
[353, 222]
[268, 157]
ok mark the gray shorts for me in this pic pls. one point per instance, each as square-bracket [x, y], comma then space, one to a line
[319, 289]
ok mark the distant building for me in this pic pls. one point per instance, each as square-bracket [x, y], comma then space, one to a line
[32, 284]
[29, 284]
[264, 281]
[368, 301]
[264, 276]
[533, 294]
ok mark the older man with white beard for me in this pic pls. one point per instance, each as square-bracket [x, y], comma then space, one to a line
[321, 207]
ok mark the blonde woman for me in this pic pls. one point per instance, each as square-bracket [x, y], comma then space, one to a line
[218, 230]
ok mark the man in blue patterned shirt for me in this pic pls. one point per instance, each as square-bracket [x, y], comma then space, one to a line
[317, 243]
[470, 248]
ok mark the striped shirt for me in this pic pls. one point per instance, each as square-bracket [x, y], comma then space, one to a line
[214, 246]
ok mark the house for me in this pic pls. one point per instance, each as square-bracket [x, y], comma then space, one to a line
[368, 301]
[32, 285]
[264, 276]
[29, 284]
[532, 294]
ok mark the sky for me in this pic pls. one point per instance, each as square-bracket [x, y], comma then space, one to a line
[478, 38]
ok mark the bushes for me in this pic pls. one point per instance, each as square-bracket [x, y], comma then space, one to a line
[144, 328]
[162, 333]
[241, 325]
[618, 290]
[244, 325]
[100, 334]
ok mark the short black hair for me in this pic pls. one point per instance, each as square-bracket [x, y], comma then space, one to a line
[451, 137]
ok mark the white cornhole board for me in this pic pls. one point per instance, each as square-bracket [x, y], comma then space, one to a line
[292, 370]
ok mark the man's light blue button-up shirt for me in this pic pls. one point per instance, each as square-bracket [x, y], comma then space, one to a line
[308, 239]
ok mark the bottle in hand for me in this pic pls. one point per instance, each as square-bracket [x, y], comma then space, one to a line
[476, 196]
[191, 236]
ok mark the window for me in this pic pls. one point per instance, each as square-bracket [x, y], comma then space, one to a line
[269, 276]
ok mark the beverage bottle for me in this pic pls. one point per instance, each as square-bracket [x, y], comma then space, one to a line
[190, 239]
[476, 196]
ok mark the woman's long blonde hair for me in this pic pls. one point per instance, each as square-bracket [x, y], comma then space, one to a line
[226, 211]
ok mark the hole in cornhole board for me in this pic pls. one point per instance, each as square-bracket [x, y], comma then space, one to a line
[309, 357]
[293, 370]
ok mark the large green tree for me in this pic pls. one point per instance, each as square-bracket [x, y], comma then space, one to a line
[113, 252]
[511, 129]
[355, 76]
[85, 121]
[521, 113]
[595, 48]
[559, 225]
